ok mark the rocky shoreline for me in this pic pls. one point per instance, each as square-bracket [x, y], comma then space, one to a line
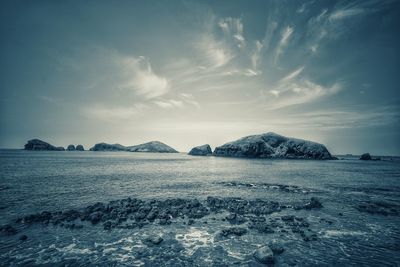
[243, 216]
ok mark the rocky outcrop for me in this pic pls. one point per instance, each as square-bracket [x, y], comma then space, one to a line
[366, 156]
[71, 148]
[80, 148]
[39, 145]
[153, 146]
[108, 147]
[272, 145]
[204, 150]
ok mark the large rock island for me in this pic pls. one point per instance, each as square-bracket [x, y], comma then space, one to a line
[108, 147]
[204, 150]
[36, 144]
[154, 146]
[272, 145]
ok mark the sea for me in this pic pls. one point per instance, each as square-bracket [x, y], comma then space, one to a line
[357, 225]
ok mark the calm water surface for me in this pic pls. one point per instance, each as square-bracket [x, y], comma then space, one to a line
[32, 182]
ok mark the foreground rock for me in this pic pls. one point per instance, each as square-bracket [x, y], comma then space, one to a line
[39, 145]
[272, 145]
[71, 148]
[204, 150]
[153, 146]
[264, 255]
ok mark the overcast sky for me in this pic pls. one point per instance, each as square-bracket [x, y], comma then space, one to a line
[193, 72]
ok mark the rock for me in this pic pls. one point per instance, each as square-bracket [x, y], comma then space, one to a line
[95, 217]
[314, 204]
[107, 225]
[71, 148]
[271, 145]
[264, 255]
[108, 147]
[366, 156]
[153, 240]
[8, 230]
[287, 218]
[204, 150]
[276, 247]
[79, 148]
[232, 231]
[23, 237]
[36, 144]
[308, 236]
[153, 146]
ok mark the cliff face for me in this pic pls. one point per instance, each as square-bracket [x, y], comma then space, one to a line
[203, 150]
[272, 145]
[36, 144]
[154, 146]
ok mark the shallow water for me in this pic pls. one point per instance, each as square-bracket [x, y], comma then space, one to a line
[32, 182]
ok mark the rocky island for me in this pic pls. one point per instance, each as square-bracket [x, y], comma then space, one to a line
[39, 145]
[204, 150]
[153, 146]
[108, 147]
[272, 145]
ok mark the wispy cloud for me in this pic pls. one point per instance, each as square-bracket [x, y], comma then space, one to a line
[233, 27]
[102, 112]
[285, 36]
[142, 78]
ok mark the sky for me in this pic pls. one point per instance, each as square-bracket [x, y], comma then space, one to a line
[188, 73]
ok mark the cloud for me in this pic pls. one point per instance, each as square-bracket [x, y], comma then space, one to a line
[256, 56]
[183, 100]
[295, 88]
[233, 27]
[285, 36]
[215, 53]
[171, 103]
[345, 13]
[142, 78]
[99, 111]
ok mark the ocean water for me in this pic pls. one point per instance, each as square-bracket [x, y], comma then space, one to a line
[33, 182]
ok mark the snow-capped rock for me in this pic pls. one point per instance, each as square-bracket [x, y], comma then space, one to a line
[153, 146]
[272, 145]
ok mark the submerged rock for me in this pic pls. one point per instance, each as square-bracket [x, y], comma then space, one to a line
[264, 255]
[80, 148]
[153, 240]
[23, 237]
[36, 144]
[204, 150]
[272, 145]
[8, 230]
[71, 148]
[153, 146]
